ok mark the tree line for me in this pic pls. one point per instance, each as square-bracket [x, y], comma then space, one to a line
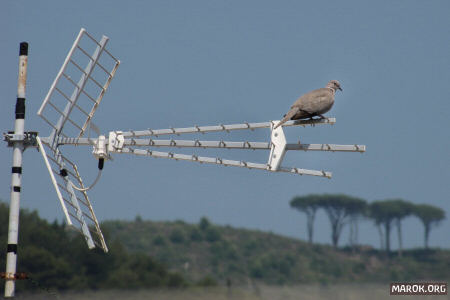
[386, 215]
[56, 258]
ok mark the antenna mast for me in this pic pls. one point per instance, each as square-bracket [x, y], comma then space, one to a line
[18, 143]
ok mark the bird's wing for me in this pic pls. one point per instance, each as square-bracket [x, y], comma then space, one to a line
[313, 101]
[288, 116]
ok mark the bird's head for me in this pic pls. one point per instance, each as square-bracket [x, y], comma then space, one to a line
[335, 85]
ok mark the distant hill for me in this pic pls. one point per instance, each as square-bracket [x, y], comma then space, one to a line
[223, 253]
[55, 258]
[146, 254]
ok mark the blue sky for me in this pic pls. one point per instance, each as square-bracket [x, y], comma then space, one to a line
[188, 63]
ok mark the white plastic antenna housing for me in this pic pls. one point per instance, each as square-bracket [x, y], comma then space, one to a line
[278, 147]
[115, 141]
[100, 148]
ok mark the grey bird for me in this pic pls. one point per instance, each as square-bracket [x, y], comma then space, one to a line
[314, 103]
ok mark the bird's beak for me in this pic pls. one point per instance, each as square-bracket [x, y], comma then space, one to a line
[339, 88]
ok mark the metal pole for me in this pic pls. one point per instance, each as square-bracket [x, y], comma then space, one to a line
[16, 177]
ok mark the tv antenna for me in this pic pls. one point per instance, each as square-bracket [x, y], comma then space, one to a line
[69, 108]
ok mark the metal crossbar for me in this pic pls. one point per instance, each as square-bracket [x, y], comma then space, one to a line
[216, 128]
[216, 144]
[76, 86]
[220, 161]
[239, 145]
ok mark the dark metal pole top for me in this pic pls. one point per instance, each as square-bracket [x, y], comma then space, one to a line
[23, 48]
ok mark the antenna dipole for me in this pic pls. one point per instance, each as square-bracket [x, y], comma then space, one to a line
[18, 146]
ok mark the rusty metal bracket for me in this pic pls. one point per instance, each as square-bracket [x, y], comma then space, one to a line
[16, 276]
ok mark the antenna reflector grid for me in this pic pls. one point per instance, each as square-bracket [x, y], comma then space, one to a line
[79, 86]
[75, 204]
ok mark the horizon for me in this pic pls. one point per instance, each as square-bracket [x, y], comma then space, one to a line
[342, 242]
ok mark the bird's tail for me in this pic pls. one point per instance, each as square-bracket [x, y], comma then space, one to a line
[287, 117]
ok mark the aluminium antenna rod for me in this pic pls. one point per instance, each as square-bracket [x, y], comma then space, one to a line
[16, 177]
[229, 127]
